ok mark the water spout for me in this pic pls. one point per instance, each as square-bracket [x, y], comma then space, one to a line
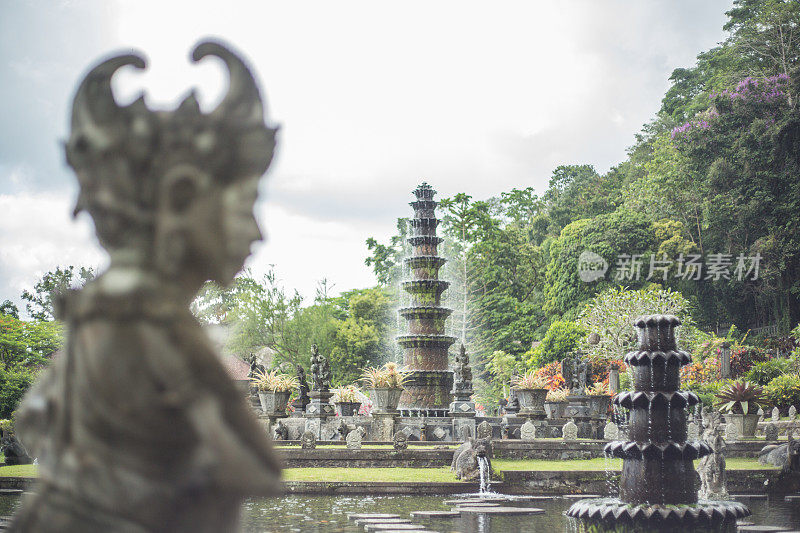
[485, 475]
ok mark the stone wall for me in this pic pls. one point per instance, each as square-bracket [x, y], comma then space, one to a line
[602, 483]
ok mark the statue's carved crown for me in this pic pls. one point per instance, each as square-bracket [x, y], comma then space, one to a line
[124, 154]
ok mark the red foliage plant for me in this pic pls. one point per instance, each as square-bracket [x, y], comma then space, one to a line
[744, 357]
[552, 373]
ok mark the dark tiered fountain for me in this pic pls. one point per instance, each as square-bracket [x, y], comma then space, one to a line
[427, 390]
[658, 486]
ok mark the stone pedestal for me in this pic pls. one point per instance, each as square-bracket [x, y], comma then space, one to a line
[463, 428]
[462, 405]
[383, 426]
[317, 411]
[579, 410]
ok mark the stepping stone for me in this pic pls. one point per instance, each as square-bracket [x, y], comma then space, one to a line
[530, 498]
[762, 529]
[479, 504]
[435, 514]
[580, 496]
[501, 510]
[471, 502]
[393, 527]
[371, 515]
[792, 498]
[748, 496]
[364, 521]
[11, 491]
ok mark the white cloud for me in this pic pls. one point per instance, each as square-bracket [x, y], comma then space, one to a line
[38, 235]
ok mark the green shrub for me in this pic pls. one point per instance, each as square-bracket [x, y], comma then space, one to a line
[784, 391]
[706, 391]
[561, 339]
[765, 371]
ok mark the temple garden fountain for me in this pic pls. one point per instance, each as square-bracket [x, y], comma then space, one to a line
[658, 489]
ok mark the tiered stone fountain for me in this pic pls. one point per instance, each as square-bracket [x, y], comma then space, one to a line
[658, 487]
[427, 391]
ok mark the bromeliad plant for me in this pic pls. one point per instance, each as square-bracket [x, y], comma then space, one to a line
[529, 380]
[272, 381]
[599, 389]
[389, 376]
[740, 397]
[558, 395]
[348, 394]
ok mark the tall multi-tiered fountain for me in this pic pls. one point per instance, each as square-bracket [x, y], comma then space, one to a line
[658, 487]
[427, 391]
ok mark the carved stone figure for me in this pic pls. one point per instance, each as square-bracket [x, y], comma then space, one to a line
[792, 412]
[527, 431]
[484, 430]
[513, 407]
[400, 440]
[280, 432]
[771, 431]
[570, 431]
[302, 399]
[309, 440]
[785, 456]
[354, 438]
[582, 375]
[15, 453]
[342, 430]
[320, 370]
[137, 427]
[712, 470]
[776, 415]
[610, 431]
[465, 458]
[462, 373]
[504, 429]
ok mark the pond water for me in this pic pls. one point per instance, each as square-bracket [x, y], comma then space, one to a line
[328, 514]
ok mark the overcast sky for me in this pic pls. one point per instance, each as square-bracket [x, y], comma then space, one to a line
[372, 97]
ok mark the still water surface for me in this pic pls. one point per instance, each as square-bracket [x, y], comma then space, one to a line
[328, 514]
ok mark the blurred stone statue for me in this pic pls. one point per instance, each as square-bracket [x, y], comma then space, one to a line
[138, 427]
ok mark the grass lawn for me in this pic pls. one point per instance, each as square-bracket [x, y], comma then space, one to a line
[19, 471]
[442, 474]
[735, 463]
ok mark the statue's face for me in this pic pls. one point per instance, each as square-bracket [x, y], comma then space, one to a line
[225, 229]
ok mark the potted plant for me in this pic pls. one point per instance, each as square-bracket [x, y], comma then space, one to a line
[531, 390]
[384, 386]
[599, 399]
[556, 403]
[348, 400]
[739, 402]
[274, 390]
